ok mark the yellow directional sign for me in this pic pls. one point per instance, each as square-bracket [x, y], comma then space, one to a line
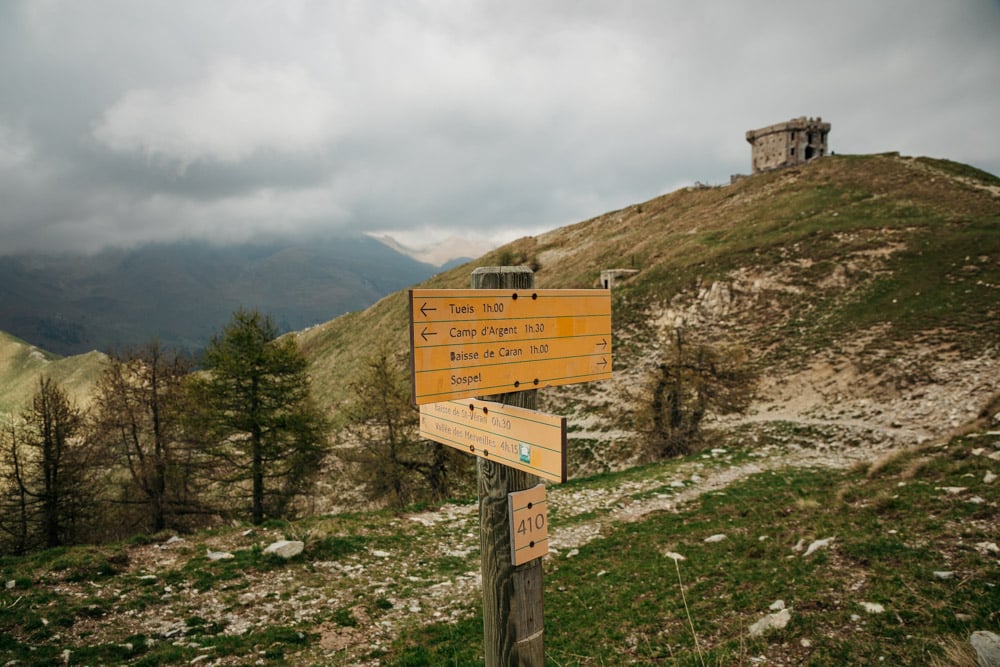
[524, 439]
[479, 342]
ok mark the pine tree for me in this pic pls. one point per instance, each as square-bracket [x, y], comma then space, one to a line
[263, 429]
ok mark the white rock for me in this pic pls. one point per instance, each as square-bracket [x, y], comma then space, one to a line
[976, 500]
[989, 477]
[674, 555]
[775, 621]
[805, 643]
[953, 490]
[987, 548]
[380, 554]
[873, 607]
[218, 555]
[819, 544]
[711, 539]
[572, 552]
[285, 548]
[987, 646]
[10, 584]
[799, 546]
[777, 605]
[677, 484]
[174, 540]
[942, 574]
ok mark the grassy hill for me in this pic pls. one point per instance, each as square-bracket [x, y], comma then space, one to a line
[892, 560]
[878, 264]
[860, 493]
[22, 364]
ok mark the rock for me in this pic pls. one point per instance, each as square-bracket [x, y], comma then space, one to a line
[819, 544]
[988, 548]
[953, 490]
[712, 539]
[174, 540]
[987, 646]
[10, 584]
[777, 605]
[942, 574]
[218, 555]
[775, 621]
[674, 555]
[572, 552]
[873, 607]
[989, 477]
[285, 548]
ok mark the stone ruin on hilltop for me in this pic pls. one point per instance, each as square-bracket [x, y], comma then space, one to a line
[793, 142]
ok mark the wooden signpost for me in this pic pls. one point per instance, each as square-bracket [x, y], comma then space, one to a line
[523, 439]
[529, 525]
[490, 341]
[500, 341]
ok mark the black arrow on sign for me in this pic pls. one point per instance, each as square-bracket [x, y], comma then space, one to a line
[603, 344]
[602, 363]
[424, 309]
[425, 333]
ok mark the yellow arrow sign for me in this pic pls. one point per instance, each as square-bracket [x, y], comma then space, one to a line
[480, 342]
[524, 439]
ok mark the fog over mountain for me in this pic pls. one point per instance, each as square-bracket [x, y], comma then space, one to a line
[182, 293]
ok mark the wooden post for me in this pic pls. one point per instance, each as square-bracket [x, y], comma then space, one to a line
[512, 596]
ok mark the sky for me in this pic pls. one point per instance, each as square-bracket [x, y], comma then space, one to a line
[129, 121]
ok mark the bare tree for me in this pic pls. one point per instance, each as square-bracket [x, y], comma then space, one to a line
[691, 381]
[138, 422]
[49, 485]
[381, 426]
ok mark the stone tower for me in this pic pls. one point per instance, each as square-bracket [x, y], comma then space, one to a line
[785, 144]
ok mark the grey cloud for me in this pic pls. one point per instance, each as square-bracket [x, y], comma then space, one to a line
[124, 121]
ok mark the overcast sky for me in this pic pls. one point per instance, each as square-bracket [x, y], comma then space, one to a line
[125, 121]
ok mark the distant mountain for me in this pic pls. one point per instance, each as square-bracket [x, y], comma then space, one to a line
[183, 293]
[445, 253]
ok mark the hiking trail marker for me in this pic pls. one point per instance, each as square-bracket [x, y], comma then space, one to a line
[478, 342]
[529, 524]
[502, 340]
[516, 437]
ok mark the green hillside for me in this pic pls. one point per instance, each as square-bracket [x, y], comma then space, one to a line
[856, 506]
[22, 364]
[869, 258]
